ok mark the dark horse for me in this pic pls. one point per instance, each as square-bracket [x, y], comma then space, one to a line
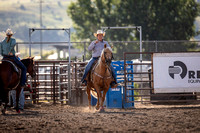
[10, 79]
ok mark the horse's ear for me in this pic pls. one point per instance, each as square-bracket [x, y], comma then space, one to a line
[32, 58]
[105, 45]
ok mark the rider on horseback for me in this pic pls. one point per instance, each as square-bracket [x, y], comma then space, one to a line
[8, 52]
[96, 47]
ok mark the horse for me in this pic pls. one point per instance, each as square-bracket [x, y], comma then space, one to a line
[10, 79]
[100, 77]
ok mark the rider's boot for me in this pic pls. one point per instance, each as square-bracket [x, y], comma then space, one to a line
[113, 84]
[24, 86]
[84, 83]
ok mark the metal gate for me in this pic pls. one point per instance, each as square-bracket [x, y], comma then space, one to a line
[45, 85]
[51, 83]
[64, 85]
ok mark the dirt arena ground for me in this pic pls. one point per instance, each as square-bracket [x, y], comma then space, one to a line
[145, 118]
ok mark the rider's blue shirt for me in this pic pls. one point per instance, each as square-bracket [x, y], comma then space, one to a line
[6, 48]
[97, 48]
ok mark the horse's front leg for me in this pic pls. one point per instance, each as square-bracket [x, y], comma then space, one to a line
[98, 96]
[89, 97]
[18, 91]
[103, 99]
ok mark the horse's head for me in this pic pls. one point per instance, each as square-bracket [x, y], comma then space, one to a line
[107, 54]
[30, 65]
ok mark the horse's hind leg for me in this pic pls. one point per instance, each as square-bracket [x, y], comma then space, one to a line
[0, 98]
[89, 97]
[3, 111]
[6, 101]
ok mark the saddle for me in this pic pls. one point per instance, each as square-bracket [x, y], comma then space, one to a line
[89, 78]
[15, 67]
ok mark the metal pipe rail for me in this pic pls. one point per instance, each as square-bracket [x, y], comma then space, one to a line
[138, 28]
[149, 41]
[166, 101]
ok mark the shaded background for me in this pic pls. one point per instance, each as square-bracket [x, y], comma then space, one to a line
[162, 22]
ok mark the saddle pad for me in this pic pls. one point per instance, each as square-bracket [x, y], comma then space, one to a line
[92, 69]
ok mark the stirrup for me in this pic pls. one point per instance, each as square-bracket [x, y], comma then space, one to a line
[84, 83]
[23, 86]
[114, 85]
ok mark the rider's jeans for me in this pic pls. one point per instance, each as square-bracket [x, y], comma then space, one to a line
[23, 68]
[89, 66]
[21, 98]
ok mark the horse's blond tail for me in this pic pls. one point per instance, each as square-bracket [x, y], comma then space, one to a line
[93, 93]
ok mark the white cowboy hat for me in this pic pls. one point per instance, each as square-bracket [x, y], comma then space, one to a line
[99, 32]
[9, 32]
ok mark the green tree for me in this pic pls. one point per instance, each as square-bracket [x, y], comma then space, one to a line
[160, 20]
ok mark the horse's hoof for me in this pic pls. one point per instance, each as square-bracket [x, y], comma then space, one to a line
[90, 107]
[102, 110]
[3, 111]
[18, 111]
[97, 108]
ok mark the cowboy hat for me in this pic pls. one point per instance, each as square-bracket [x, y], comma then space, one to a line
[99, 32]
[9, 32]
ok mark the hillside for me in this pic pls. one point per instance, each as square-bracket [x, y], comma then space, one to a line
[20, 15]
[23, 14]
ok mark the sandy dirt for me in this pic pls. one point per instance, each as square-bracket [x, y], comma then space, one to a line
[145, 118]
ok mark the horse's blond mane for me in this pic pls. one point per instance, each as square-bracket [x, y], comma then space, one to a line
[109, 48]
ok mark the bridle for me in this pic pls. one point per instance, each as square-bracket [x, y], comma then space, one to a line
[33, 66]
[107, 60]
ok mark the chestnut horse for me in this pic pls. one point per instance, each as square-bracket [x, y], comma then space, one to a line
[100, 77]
[10, 79]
